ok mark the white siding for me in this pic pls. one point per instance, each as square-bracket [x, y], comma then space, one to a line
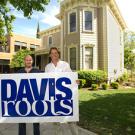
[114, 47]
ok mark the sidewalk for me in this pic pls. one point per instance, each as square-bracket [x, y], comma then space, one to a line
[45, 128]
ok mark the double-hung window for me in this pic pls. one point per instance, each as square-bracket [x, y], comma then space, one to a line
[72, 22]
[88, 20]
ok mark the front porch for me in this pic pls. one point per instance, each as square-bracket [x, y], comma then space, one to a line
[41, 58]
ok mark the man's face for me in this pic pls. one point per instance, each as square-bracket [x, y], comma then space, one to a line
[28, 61]
[54, 55]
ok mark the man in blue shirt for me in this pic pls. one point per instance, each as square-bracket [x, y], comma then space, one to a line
[28, 61]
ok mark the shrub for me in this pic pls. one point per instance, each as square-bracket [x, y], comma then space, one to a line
[94, 86]
[123, 78]
[104, 86]
[92, 77]
[115, 85]
[82, 83]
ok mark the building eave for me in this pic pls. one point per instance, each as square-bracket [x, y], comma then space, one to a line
[50, 30]
[115, 9]
[58, 16]
[41, 50]
[111, 3]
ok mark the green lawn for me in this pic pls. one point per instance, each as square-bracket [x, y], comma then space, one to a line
[110, 112]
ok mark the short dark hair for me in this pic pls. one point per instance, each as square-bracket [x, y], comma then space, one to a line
[54, 48]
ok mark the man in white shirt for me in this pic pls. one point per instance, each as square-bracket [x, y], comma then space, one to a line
[56, 65]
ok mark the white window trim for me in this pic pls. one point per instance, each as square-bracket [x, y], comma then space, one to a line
[73, 11]
[73, 46]
[84, 48]
[84, 30]
[49, 45]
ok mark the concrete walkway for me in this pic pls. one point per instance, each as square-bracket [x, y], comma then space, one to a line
[46, 129]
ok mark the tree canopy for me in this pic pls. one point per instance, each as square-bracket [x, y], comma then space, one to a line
[129, 59]
[6, 18]
[18, 58]
[27, 7]
[129, 39]
[129, 55]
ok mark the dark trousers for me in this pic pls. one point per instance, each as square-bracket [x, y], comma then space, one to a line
[22, 129]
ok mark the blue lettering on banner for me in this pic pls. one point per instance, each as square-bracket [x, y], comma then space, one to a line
[28, 99]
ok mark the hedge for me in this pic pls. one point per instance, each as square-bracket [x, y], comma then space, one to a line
[92, 77]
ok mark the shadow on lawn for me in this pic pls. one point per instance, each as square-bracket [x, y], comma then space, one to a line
[109, 114]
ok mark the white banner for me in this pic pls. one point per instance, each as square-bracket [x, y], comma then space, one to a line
[38, 97]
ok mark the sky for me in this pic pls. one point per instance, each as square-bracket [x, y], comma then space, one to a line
[47, 19]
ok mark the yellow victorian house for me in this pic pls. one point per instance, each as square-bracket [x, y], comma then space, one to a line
[90, 36]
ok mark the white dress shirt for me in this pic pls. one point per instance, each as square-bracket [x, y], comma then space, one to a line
[61, 66]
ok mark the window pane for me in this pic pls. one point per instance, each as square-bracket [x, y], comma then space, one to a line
[88, 26]
[89, 58]
[50, 40]
[88, 20]
[23, 47]
[4, 48]
[73, 58]
[72, 27]
[72, 22]
[87, 62]
[88, 16]
[17, 48]
[89, 51]
[72, 17]
[32, 49]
